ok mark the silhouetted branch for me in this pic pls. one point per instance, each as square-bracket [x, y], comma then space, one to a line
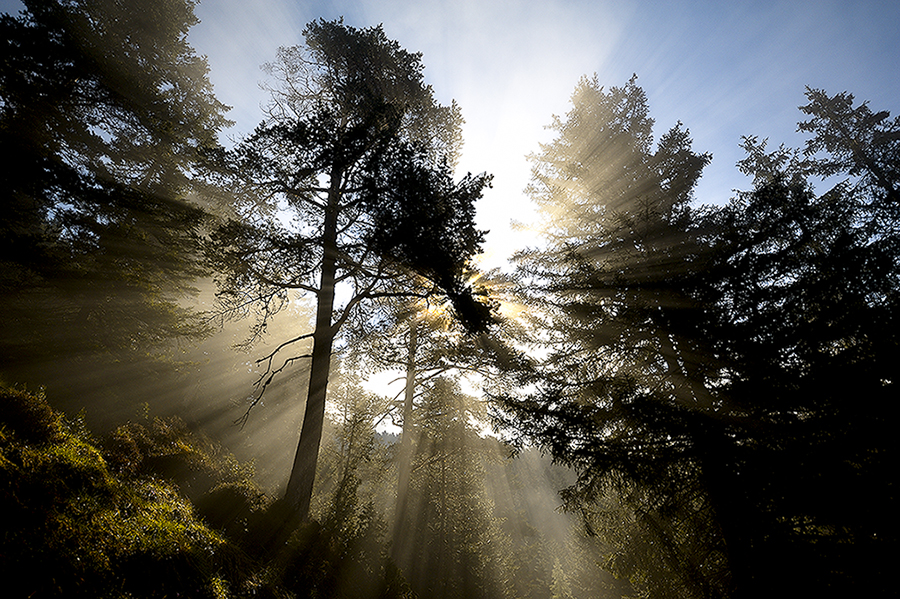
[262, 386]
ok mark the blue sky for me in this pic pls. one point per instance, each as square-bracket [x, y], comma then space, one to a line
[725, 69]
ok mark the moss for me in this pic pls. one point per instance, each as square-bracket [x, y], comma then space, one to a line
[168, 449]
[92, 531]
[120, 522]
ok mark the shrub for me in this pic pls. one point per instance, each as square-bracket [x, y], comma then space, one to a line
[29, 417]
[74, 527]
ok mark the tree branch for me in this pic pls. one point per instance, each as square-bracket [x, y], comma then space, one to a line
[282, 346]
[262, 386]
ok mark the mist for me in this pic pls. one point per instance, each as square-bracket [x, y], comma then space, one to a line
[275, 350]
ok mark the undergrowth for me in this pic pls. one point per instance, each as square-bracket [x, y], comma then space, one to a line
[157, 510]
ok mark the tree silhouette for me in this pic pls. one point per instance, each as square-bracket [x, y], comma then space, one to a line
[624, 370]
[105, 112]
[710, 372]
[348, 186]
[805, 288]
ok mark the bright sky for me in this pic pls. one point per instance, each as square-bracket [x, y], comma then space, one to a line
[725, 69]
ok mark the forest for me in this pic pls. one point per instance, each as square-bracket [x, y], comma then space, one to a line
[664, 396]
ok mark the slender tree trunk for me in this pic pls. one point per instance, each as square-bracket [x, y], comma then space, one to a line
[404, 466]
[303, 472]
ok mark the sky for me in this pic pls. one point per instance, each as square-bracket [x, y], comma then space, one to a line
[724, 69]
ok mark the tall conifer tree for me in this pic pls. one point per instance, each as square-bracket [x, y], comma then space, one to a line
[348, 187]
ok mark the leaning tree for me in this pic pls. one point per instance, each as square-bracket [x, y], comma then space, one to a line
[343, 193]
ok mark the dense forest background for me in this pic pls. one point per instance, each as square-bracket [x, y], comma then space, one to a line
[664, 396]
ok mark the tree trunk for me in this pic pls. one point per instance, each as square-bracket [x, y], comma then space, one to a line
[404, 466]
[735, 515]
[303, 472]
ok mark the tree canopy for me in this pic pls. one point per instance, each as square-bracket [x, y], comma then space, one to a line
[106, 111]
[701, 360]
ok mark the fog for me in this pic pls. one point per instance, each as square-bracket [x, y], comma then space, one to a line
[275, 351]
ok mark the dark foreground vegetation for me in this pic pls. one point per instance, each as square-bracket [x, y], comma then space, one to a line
[714, 382]
[150, 511]
[153, 509]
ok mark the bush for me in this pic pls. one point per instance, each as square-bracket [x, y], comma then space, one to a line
[90, 531]
[168, 449]
[29, 417]
[119, 522]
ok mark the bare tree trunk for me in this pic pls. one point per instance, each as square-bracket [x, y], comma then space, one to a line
[303, 472]
[404, 466]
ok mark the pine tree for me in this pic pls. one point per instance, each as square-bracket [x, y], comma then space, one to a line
[347, 186]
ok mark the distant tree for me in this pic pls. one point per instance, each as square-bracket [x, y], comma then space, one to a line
[453, 546]
[407, 337]
[621, 237]
[422, 341]
[348, 188]
[352, 454]
[105, 112]
[351, 557]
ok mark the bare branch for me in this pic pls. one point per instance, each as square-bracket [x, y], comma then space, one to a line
[282, 346]
[283, 284]
[261, 385]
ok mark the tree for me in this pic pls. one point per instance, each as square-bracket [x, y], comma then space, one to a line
[623, 383]
[805, 287]
[349, 186]
[407, 337]
[105, 112]
[342, 553]
[453, 546]
[859, 143]
[425, 342]
[725, 405]
[621, 235]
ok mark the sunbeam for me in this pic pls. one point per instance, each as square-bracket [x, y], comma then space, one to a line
[479, 299]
